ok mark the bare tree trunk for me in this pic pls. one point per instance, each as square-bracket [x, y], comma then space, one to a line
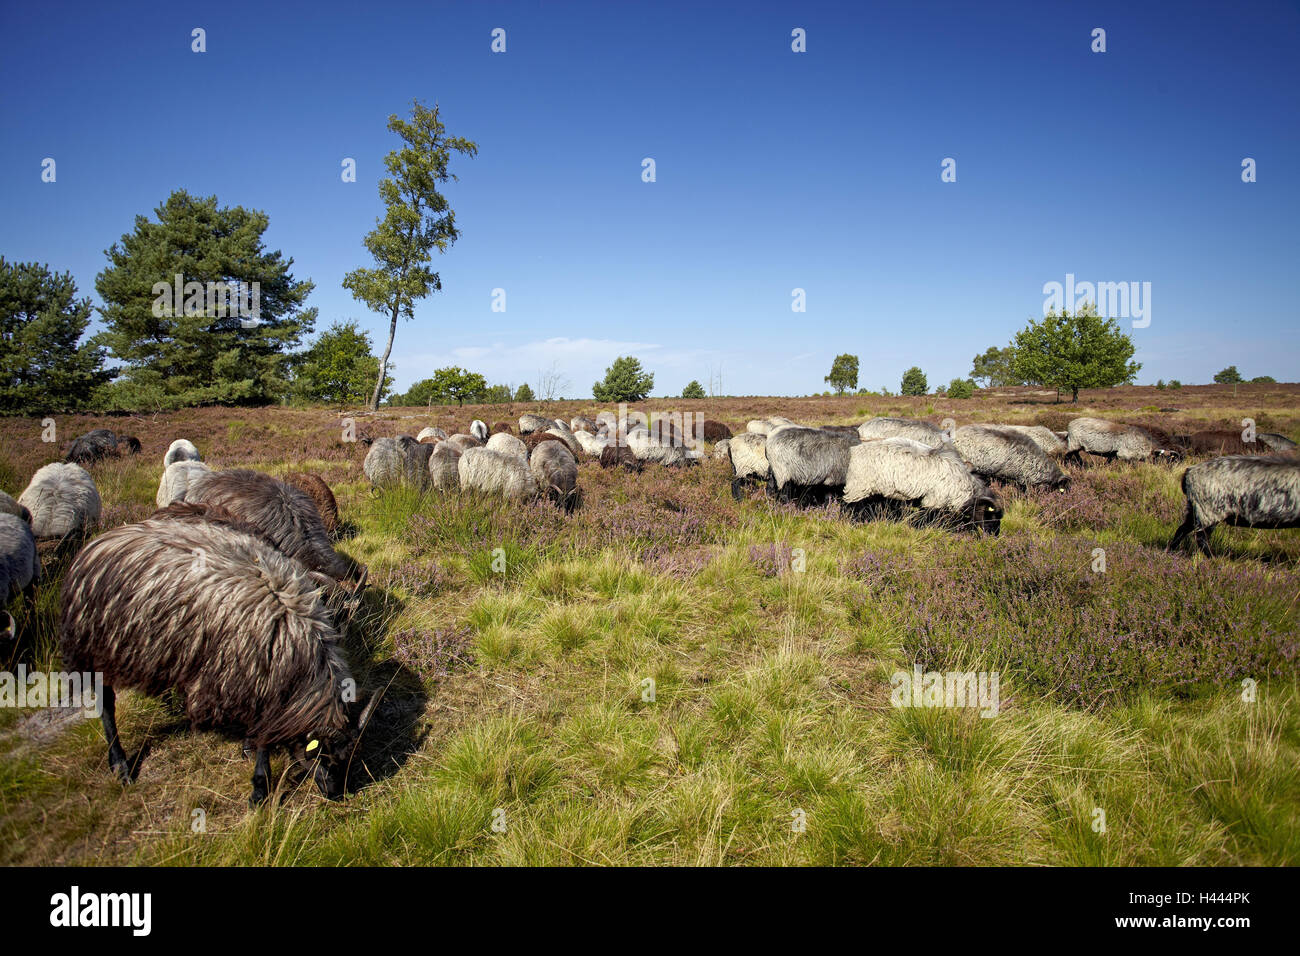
[383, 362]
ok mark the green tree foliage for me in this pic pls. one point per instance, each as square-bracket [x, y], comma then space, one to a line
[914, 382]
[44, 366]
[338, 368]
[995, 368]
[693, 389]
[199, 350]
[1263, 380]
[418, 220]
[524, 393]
[844, 373]
[624, 382]
[960, 388]
[1229, 376]
[1076, 351]
[497, 395]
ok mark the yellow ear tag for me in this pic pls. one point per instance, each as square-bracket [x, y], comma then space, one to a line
[313, 745]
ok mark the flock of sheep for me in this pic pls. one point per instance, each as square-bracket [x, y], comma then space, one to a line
[232, 590]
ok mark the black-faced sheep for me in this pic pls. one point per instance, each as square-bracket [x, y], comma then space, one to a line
[1097, 436]
[176, 480]
[444, 467]
[235, 625]
[182, 449]
[494, 473]
[748, 454]
[1250, 491]
[285, 515]
[100, 443]
[533, 423]
[315, 488]
[807, 464]
[1007, 455]
[391, 462]
[897, 471]
[915, 430]
[556, 472]
[62, 500]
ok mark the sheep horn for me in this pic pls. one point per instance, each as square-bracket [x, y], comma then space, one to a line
[363, 719]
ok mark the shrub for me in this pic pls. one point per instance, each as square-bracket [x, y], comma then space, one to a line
[961, 388]
[914, 382]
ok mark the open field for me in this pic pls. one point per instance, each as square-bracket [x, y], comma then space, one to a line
[517, 697]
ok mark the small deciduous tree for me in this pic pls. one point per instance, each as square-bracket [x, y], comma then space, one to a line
[338, 367]
[995, 368]
[624, 382]
[418, 220]
[960, 388]
[1229, 376]
[1076, 351]
[1263, 380]
[844, 373]
[457, 385]
[914, 382]
[693, 389]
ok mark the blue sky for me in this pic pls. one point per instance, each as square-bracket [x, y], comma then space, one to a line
[775, 170]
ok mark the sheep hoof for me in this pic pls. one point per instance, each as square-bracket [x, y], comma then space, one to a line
[260, 793]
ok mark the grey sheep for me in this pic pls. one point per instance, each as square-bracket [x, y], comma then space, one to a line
[62, 500]
[8, 506]
[507, 445]
[176, 480]
[566, 436]
[398, 461]
[1250, 491]
[892, 472]
[1007, 455]
[583, 423]
[556, 472]
[722, 450]
[923, 432]
[463, 441]
[748, 454]
[1097, 436]
[286, 515]
[807, 464]
[494, 473]
[444, 467]
[182, 449]
[666, 452]
[235, 625]
[1049, 441]
[431, 434]
[20, 568]
[1279, 443]
[533, 423]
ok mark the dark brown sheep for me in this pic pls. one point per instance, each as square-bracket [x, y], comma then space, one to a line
[1221, 442]
[533, 439]
[612, 456]
[314, 487]
[503, 427]
[715, 431]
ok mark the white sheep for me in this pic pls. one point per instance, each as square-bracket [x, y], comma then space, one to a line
[592, 445]
[182, 449]
[897, 471]
[479, 429]
[915, 430]
[507, 444]
[495, 473]
[444, 467]
[431, 434]
[63, 501]
[177, 479]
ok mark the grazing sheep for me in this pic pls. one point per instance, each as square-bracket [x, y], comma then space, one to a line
[20, 570]
[507, 445]
[62, 500]
[182, 449]
[1049, 441]
[315, 488]
[8, 506]
[479, 429]
[431, 434]
[935, 479]
[591, 445]
[1276, 442]
[807, 464]
[444, 467]
[1217, 442]
[92, 447]
[566, 436]
[666, 452]
[556, 472]
[849, 432]
[494, 473]
[533, 439]
[1250, 491]
[714, 431]
[503, 427]
[176, 480]
[1097, 436]
[285, 515]
[533, 423]
[722, 450]
[765, 426]
[243, 634]
[614, 454]
[583, 423]
[398, 461]
[748, 454]
[463, 441]
[923, 432]
[1007, 455]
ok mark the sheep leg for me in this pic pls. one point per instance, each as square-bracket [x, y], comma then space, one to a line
[1203, 539]
[261, 779]
[738, 488]
[1184, 529]
[117, 761]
